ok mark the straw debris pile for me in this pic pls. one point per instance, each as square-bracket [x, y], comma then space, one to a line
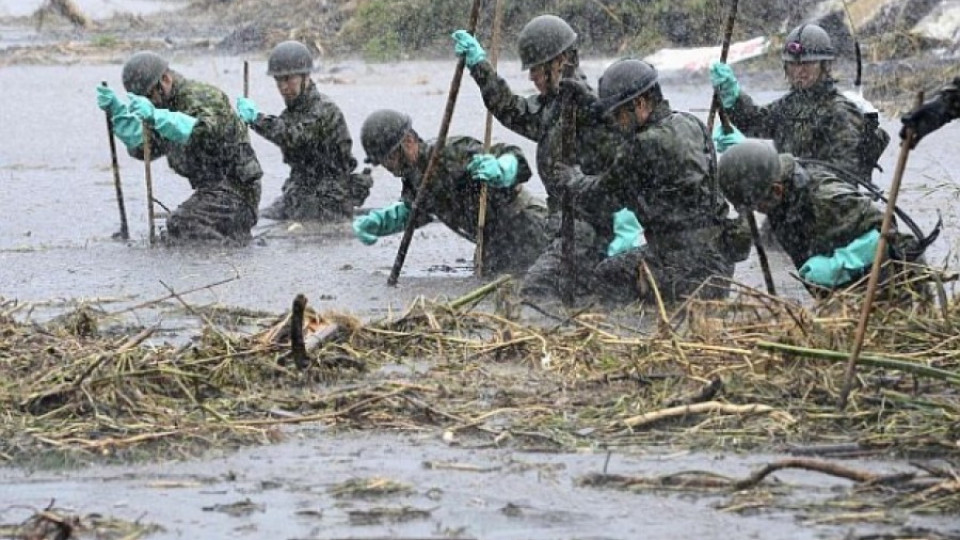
[753, 372]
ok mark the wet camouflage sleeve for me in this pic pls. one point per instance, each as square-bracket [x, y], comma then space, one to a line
[317, 137]
[841, 214]
[519, 114]
[821, 213]
[664, 174]
[818, 125]
[157, 148]
[454, 196]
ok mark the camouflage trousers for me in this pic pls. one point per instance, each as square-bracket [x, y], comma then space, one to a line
[333, 199]
[215, 214]
[678, 273]
[545, 276]
[520, 234]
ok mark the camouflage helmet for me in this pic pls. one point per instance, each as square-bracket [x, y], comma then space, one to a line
[289, 58]
[382, 132]
[808, 43]
[143, 71]
[624, 80]
[543, 39]
[747, 170]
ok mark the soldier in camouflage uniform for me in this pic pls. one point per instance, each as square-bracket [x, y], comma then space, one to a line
[313, 136]
[813, 120]
[192, 124]
[934, 114]
[516, 228]
[665, 173]
[547, 44]
[828, 228]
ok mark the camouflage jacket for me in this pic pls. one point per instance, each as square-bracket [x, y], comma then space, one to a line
[666, 174]
[454, 196]
[538, 119]
[820, 212]
[817, 123]
[218, 152]
[313, 136]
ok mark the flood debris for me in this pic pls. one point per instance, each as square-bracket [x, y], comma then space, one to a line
[380, 516]
[236, 509]
[753, 372]
[937, 491]
[367, 488]
[53, 523]
[67, 9]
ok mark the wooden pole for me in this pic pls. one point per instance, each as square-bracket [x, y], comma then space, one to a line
[148, 177]
[878, 259]
[724, 51]
[118, 187]
[246, 79]
[568, 149]
[487, 136]
[434, 156]
[715, 107]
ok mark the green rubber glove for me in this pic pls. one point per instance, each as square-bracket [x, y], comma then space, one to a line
[108, 101]
[173, 126]
[723, 141]
[627, 233]
[468, 48]
[500, 172]
[385, 221]
[129, 129]
[725, 83]
[247, 110]
[839, 268]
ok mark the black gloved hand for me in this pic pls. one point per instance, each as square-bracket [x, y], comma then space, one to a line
[925, 119]
[582, 94]
[568, 178]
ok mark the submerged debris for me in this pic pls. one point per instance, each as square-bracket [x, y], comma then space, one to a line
[56, 524]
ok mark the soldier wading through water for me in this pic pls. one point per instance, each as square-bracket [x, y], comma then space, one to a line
[194, 126]
[313, 136]
[517, 227]
[547, 47]
[813, 120]
[828, 228]
[665, 173]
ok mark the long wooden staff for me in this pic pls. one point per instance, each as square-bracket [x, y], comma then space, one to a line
[487, 136]
[568, 149]
[878, 260]
[246, 79]
[124, 230]
[434, 156]
[724, 49]
[148, 177]
[728, 128]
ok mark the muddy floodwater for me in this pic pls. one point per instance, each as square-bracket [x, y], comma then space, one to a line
[58, 210]
[57, 216]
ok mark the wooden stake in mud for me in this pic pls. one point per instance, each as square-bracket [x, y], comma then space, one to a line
[728, 128]
[487, 136]
[878, 259]
[124, 233]
[434, 156]
[148, 177]
[246, 79]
